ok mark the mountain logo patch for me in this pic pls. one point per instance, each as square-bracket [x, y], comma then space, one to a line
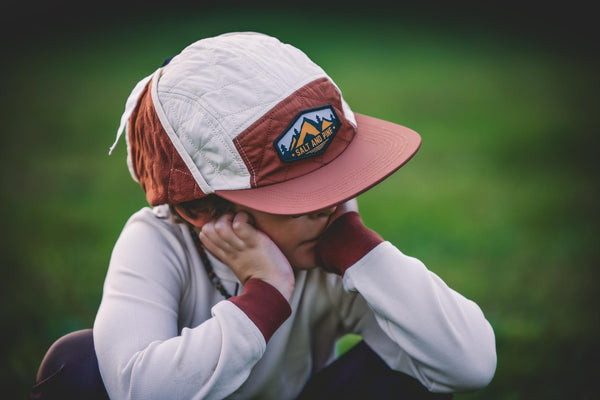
[308, 134]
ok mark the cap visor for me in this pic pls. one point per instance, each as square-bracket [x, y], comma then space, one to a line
[377, 150]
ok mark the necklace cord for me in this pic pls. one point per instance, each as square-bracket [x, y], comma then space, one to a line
[214, 278]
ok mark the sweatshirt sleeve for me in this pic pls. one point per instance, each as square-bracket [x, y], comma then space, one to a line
[141, 353]
[423, 327]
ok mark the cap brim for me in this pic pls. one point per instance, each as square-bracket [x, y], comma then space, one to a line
[377, 150]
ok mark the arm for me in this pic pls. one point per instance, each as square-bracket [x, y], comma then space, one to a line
[437, 335]
[140, 352]
[250, 253]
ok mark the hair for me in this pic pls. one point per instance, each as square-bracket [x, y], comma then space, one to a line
[211, 205]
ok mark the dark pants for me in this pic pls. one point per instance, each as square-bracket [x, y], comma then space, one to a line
[70, 371]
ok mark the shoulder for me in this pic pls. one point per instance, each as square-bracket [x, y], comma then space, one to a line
[153, 224]
[158, 217]
[151, 238]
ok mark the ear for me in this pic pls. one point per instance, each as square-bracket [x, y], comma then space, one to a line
[196, 219]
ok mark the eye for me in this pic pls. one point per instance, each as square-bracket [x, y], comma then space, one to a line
[295, 216]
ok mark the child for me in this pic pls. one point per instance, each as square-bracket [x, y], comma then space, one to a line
[254, 260]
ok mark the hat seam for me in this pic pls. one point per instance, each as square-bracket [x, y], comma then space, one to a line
[181, 92]
[244, 57]
[276, 77]
[168, 199]
[245, 156]
[198, 150]
[285, 101]
[217, 115]
[262, 152]
[175, 140]
[177, 90]
[213, 126]
[229, 115]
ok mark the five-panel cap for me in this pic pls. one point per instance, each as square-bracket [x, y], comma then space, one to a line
[256, 122]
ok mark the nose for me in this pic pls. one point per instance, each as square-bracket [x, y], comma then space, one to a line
[324, 212]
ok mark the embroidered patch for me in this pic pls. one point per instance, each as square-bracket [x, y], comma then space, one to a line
[308, 135]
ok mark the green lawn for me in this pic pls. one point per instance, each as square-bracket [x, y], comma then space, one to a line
[500, 201]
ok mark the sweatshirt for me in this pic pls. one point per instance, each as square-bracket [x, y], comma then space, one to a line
[164, 332]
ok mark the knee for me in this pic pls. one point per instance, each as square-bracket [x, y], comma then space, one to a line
[362, 374]
[70, 370]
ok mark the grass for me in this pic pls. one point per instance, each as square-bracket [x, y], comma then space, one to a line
[500, 201]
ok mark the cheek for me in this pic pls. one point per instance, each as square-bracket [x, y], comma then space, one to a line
[300, 252]
[303, 257]
[290, 236]
[283, 231]
[286, 241]
[290, 240]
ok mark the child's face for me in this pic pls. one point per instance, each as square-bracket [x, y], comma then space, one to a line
[296, 236]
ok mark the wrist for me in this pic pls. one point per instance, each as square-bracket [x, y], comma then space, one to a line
[345, 242]
[283, 284]
[264, 305]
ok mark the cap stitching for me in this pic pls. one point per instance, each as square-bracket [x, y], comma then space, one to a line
[228, 79]
[189, 141]
[183, 171]
[275, 77]
[268, 131]
[267, 137]
[179, 91]
[247, 160]
[199, 152]
[175, 140]
[213, 129]
[231, 116]
[200, 100]
[214, 125]
[185, 137]
[170, 174]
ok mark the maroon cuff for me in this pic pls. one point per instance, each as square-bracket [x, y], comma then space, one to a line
[264, 305]
[345, 242]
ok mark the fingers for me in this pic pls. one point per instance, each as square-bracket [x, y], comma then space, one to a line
[229, 232]
[216, 249]
[243, 226]
[220, 233]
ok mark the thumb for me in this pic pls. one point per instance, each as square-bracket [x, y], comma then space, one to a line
[243, 225]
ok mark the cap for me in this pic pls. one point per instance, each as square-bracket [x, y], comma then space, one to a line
[255, 121]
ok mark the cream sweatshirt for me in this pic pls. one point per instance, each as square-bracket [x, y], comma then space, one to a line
[164, 332]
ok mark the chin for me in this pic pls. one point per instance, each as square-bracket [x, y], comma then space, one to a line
[304, 261]
[303, 267]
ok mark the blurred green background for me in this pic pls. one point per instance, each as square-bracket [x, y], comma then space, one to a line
[501, 200]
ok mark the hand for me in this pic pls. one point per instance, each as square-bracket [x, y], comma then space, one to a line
[346, 240]
[248, 252]
[350, 205]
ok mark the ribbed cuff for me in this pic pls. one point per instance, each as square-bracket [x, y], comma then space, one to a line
[264, 305]
[345, 242]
